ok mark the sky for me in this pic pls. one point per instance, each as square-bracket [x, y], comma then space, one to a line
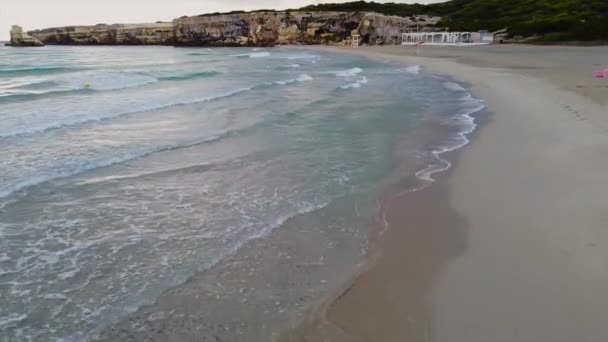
[36, 14]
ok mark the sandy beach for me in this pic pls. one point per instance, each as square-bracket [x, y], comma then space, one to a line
[301, 171]
[510, 245]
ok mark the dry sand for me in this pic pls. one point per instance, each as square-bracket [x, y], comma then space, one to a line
[512, 244]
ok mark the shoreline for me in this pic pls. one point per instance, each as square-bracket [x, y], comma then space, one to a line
[414, 208]
[458, 305]
[334, 321]
[506, 244]
[440, 136]
[424, 271]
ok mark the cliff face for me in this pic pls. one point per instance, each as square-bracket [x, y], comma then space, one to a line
[241, 29]
[117, 34]
[20, 38]
[264, 28]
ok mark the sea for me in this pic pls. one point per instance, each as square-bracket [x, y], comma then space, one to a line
[125, 172]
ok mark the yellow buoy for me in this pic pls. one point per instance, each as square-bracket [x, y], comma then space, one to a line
[87, 85]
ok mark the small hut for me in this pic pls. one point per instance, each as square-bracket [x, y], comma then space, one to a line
[355, 40]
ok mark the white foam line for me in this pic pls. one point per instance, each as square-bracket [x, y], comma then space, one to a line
[454, 86]
[232, 250]
[414, 69]
[347, 73]
[426, 174]
[254, 55]
[356, 84]
[34, 181]
[77, 120]
[301, 78]
[12, 318]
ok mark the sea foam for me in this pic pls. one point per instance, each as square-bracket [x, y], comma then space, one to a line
[454, 87]
[465, 123]
[414, 69]
[70, 82]
[262, 54]
[356, 84]
[301, 78]
[348, 73]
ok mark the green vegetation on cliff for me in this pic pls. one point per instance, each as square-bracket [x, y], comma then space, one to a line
[550, 20]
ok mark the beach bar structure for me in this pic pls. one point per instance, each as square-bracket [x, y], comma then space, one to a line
[447, 38]
[355, 40]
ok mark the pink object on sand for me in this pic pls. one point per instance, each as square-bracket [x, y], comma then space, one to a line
[601, 73]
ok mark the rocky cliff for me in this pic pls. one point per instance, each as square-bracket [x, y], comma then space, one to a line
[262, 28]
[101, 34]
[20, 38]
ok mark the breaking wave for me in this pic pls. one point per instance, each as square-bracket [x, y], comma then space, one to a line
[348, 73]
[356, 84]
[254, 55]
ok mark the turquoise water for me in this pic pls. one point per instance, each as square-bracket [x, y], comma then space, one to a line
[127, 170]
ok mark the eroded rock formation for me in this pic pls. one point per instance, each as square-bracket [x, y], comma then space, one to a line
[20, 38]
[101, 34]
[263, 28]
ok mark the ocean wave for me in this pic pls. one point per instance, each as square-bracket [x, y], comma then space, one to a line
[37, 84]
[454, 86]
[287, 67]
[194, 75]
[356, 84]
[93, 81]
[196, 168]
[301, 78]
[263, 54]
[24, 87]
[348, 73]
[197, 54]
[106, 80]
[11, 319]
[34, 181]
[303, 56]
[414, 69]
[78, 120]
[281, 220]
[77, 82]
[304, 78]
[32, 95]
[97, 319]
[36, 70]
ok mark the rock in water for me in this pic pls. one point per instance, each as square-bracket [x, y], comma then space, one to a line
[20, 38]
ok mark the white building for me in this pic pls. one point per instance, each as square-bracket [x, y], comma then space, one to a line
[447, 38]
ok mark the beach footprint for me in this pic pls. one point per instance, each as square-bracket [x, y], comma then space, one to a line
[575, 112]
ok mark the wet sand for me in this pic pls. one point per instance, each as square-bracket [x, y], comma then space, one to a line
[511, 244]
[389, 300]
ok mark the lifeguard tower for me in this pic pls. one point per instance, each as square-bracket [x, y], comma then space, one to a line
[355, 40]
